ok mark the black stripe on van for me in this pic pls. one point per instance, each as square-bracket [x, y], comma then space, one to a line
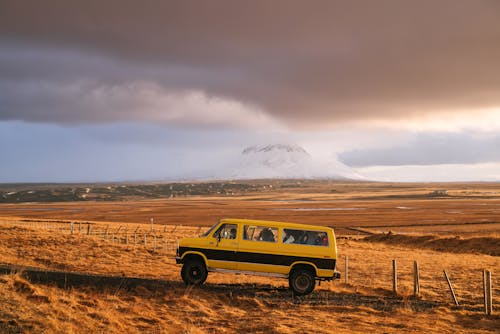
[262, 258]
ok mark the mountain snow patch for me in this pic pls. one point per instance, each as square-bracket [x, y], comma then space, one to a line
[288, 161]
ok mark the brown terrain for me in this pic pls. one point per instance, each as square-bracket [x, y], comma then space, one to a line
[97, 265]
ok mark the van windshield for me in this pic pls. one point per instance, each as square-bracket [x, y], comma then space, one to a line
[210, 230]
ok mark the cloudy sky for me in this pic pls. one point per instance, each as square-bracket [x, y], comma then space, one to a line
[151, 90]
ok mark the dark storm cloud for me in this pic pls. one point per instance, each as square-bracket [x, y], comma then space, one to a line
[304, 62]
[429, 149]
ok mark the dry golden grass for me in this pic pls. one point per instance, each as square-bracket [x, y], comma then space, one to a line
[113, 302]
[400, 207]
[231, 303]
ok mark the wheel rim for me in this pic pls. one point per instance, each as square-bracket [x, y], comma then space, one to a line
[302, 283]
[196, 273]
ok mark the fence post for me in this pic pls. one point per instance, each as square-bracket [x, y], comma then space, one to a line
[145, 240]
[488, 293]
[346, 270]
[394, 277]
[451, 288]
[154, 243]
[112, 238]
[485, 292]
[135, 238]
[416, 279]
[88, 228]
[126, 237]
[71, 227]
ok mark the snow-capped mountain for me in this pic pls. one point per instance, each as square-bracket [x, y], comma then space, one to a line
[288, 161]
[274, 156]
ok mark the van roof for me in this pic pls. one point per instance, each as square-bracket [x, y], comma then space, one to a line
[274, 223]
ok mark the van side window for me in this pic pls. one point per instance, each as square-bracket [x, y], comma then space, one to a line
[260, 233]
[226, 231]
[304, 237]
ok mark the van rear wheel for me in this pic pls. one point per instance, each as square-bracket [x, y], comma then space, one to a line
[194, 272]
[302, 282]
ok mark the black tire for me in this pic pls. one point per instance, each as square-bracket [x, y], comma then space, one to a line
[302, 282]
[194, 272]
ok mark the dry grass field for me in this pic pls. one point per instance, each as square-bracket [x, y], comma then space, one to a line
[57, 282]
[468, 209]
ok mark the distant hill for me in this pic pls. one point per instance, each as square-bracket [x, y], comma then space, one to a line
[282, 161]
[268, 163]
[20, 193]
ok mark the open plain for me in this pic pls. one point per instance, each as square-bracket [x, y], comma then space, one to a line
[98, 264]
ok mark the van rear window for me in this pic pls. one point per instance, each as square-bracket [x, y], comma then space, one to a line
[260, 233]
[305, 237]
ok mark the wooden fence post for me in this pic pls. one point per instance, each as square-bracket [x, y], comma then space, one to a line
[145, 240]
[485, 292]
[346, 270]
[451, 288]
[488, 293]
[88, 228]
[71, 227]
[135, 238]
[394, 277]
[416, 279]
[118, 234]
[154, 243]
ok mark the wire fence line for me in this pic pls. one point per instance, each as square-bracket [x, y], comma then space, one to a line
[156, 238]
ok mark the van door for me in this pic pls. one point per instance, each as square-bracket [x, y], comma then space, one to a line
[259, 250]
[223, 253]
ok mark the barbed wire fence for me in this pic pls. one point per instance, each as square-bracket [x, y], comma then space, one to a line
[162, 239]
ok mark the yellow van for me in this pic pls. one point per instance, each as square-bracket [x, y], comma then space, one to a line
[302, 253]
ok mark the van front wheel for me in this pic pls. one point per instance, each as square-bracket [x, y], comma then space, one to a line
[301, 282]
[194, 272]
